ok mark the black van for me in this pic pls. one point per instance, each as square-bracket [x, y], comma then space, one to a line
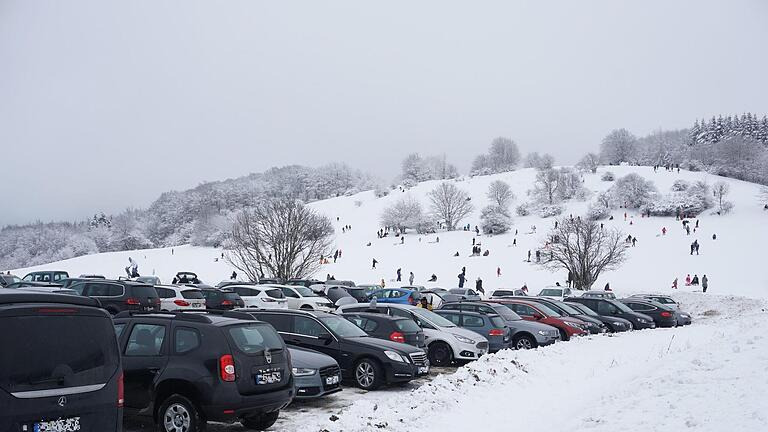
[60, 367]
[117, 296]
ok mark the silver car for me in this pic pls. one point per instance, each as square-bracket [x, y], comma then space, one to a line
[315, 374]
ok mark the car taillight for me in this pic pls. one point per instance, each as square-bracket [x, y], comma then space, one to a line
[397, 337]
[156, 300]
[666, 314]
[496, 332]
[181, 302]
[120, 391]
[56, 310]
[132, 301]
[227, 368]
[226, 303]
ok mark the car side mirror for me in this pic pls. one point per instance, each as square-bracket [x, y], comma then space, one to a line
[326, 338]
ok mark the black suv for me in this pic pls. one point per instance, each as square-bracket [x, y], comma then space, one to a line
[217, 299]
[60, 368]
[609, 307]
[185, 369]
[370, 362]
[117, 296]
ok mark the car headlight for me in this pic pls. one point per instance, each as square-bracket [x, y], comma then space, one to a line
[395, 356]
[462, 339]
[542, 332]
[617, 323]
[642, 321]
[574, 325]
[303, 372]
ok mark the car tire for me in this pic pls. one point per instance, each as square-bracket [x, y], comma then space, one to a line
[179, 414]
[368, 374]
[563, 335]
[525, 342]
[261, 422]
[306, 307]
[440, 354]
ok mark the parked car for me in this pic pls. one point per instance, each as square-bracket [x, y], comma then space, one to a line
[118, 296]
[492, 327]
[396, 295]
[556, 293]
[613, 308]
[149, 280]
[394, 328]
[465, 294]
[539, 312]
[314, 374]
[7, 279]
[436, 297]
[260, 296]
[303, 282]
[70, 376]
[338, 295]
[185, 369]
[225, 283]
[360, 294]
[42, 287]
[503, 293]
[662, 315]
[445, 341]
[368, 361]
[592, 325]
[599, 294]
[180, 298]
[613, 323]
[91, 276]
[659, 298]
[525, 334]
[369, 288]
[346, 283]
[216, 299]
[68, 282]
[301, 297]
[45, 276]
[186, 277]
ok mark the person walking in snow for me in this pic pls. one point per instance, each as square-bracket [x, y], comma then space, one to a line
[335, 255]
[674, 284]
[498, 271]
[382, 283]
[433, 278]
[634, 241]
[688, 280]
[607, 286]
[410, 279]
[399, 275]
[570, 279]
[538, 255]
[514, 241]
[663, 230]
[402, 240]
[704, 283]
[374, 263]
[461, 279]
[233, 276]
[529, 255]
[693, 247]
[479, 286]
[695, 280]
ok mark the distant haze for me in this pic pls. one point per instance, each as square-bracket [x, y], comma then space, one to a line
[104, 105]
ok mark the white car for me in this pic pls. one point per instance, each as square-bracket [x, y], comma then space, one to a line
[260, 296]
[445, 341]
[180, 298]
[556, 293]
[301, 297]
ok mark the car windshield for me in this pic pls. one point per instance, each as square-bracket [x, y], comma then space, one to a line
[53, 361]
[621, 306]
[255, 338]
[342, 327]
[304, 291]
[554, 292]
[9, 279]
[432, 317]
[548, 310]
[664, 300]
[583, 309]
[507, 313]
[568, 309]
[500, 293]
[357, 293]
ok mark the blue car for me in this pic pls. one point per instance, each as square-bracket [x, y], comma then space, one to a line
[396, 295]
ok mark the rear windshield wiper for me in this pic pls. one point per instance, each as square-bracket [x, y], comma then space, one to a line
[57, 380]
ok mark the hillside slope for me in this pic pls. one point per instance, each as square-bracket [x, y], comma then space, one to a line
[733, 262]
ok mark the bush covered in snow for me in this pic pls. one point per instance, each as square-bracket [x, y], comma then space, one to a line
[406, 213]
[608, 176]
[692, 201]
[502, 156]
[549, 210]
[596, 211]
[633, 190]
[495, 219]
[680, 185]
[523, 209]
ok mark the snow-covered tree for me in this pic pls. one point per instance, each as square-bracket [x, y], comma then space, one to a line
[617, 147]
[503, 155]
[633, 190]
[545, 187]
[405, 213]
[608, 176]
[680, 185]
[495, 219]
[450, 204]
[720, 190]
[589, 163]
[500, 193]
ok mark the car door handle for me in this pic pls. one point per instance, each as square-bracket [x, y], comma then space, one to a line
[153, 370]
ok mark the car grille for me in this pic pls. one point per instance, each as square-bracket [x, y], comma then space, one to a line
[482, 345]
[553, 333]
[419, 359]
[329, 372]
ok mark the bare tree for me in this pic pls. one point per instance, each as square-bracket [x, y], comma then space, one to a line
[279, 238]
[546, 185]
[589, 162]
[450, 204]
[633, 190]
[719, 191]
[500, 193]
[405, 213]
[763, 195]
[582, 248]
[618, 146]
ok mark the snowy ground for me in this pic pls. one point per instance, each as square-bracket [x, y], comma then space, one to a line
[710, 376]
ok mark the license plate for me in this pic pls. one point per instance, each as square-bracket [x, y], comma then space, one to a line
[60, 425]
[423, 369]
[148, 308]
[332, 380]
[197, 305]
[268, 378]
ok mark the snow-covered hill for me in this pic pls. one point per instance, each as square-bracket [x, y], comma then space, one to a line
[733, 262]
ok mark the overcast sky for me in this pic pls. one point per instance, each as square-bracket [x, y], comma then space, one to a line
[106, 104]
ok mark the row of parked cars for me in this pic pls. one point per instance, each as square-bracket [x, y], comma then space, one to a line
[187, 354]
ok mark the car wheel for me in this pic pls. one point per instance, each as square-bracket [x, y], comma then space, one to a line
[260, 422]
[368, 374]
[440, 354]
[306, 307]
[179, 414]
[563, 335]
[525, 342]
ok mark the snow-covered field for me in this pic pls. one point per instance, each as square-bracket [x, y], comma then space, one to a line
[710, 376]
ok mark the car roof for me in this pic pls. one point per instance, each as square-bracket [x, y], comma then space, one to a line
[11, 296]
[316, 314]
[205, 317]
[377, 315]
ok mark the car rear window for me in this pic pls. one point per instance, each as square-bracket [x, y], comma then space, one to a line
[47, 352]
[144, 291]
[275, 293]
[255, 338]
[407, 325]
[231, 296]
[497, 321]
[551, 292]
[192, 294]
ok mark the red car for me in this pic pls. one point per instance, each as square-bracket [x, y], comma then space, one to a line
[533, 311]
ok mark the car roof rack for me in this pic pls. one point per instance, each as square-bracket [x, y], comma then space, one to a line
[231, 314]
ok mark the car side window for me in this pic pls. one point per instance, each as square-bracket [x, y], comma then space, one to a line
[401, 313]
[119, 330]
[525, 310]
[308, 327]
[78, 287]
[145, 340]
[114, 290]
[486, 310]
[356, 320]
[370, 325]
[186, 340]
[281, 323]
[473, 321]
[288, 292]
[165, 292]
[605, 308]
[454, 318]
[96, 289]
[59, 276]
